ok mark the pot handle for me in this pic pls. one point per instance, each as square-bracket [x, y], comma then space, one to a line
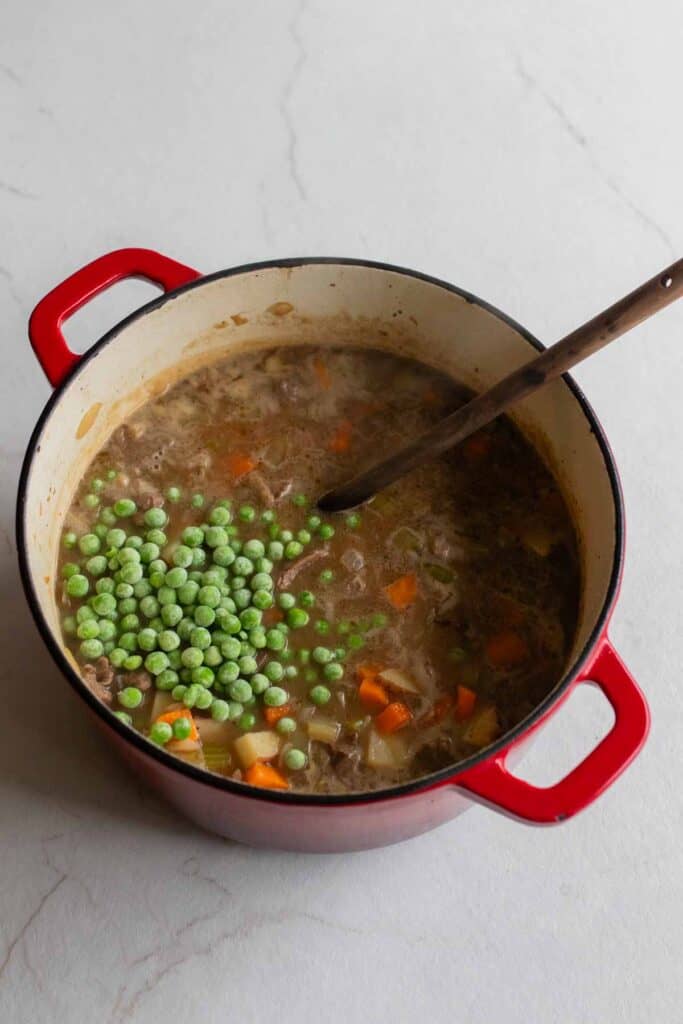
[44, 329]
[492, 782]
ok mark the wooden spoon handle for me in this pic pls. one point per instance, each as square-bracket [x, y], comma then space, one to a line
[560, 357]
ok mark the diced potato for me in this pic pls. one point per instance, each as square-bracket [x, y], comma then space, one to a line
[323, 729]
[397, 680]
[214, 733]
[257, 746]
[483, 728]
[183, 746]
[163, 701]
[385, 751]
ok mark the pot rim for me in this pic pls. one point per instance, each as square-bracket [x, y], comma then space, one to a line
[144, 746]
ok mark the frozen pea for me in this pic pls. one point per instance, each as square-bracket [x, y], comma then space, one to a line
[295, 759]
[285, 726]
[275, 697]
[319, 695]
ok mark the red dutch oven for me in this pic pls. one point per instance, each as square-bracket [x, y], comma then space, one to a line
[331, 301]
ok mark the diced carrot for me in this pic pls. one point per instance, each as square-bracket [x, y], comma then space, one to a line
[477, 446]
[365, 671]
[372, 694]
[394, 717]
[402, 592]
[173, 716]
[442, 707]
[264, 775]
[239, 465]
[465, 701]
[341, 439]
[506, 649]
[273, 715]
[323, 374]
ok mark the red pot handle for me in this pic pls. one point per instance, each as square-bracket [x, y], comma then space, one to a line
[492, 782]
[44, 329]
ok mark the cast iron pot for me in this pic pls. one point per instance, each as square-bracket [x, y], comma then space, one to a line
[333, 301]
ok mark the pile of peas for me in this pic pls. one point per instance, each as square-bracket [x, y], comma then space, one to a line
[191, 612]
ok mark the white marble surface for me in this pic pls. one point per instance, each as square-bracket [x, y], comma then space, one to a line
[530, 152]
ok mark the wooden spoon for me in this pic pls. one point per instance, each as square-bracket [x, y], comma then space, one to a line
[554, 361]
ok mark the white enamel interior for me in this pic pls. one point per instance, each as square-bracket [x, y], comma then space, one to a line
[331, 304]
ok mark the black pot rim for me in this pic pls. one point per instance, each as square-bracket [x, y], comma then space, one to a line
[203, 777]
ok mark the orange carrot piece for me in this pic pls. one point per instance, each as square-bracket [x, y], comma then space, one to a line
[173, 716]
[368, 671]
[465, 701]
[506, 649]
[264, 775]
[273, 715]
[394, 717]
[402, 592]
[239, 465]
[323, 374]
[477, 446]
[372, 694]
[341, 439]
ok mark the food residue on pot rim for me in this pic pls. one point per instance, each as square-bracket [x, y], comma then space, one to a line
[88, 420]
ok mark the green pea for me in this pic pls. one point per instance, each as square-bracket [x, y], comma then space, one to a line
[187, 592]
[242, 598]
[246, 721]
[247, 514]
[286, 600]
[149, 552]
[273, 531]
[333, 671]
[297, 618]
[100, 530]
[275, 697]
[88, 630]
[149, 606]
[142, 588]
[171, 614]
[131, 573]
[212, 656]
[107, 516]
[326, 531]
[326, 576]
[160, 732]
[166, 595]
[220, 710]
[355, 641]
[130, 697]
[291, 671]
[319, 695]
[123, 717]
[173, 494]
[275, 640]
[259, 682]
[103, 604]
[77, 585]
[230, 623]
[306, 599]
[295, 759]
[117, 657]
[254, 548]
[285, 726]
[156, 662]
[70, 569]
[178, 692]
[228, 673]
[97, 565]
[147, 639]
[322, 655]
[250, 618]
[322, 626]
[286, 536]
[105, 585]
[220, 515]
[276, 551]
[192, 657]
[215, 537]
[134, 542]
[69, 540]
[293, 549]
[303, 537]
[267, 516]
[129, 642]
[200, 638]
[124, 507]
[205, 678]
[127, 606]
[247, 665]
[157, 537]
[340, 653]
[240, 690]
[310, 675]
[257, 637]
[130, 623]
[167, 679]
[124, 591]
[378, 620]
[91, 501]
[313, 522]
[198, 558]
[127, 555]
[155, 518]
[209, 595]
[191, 694]
[274, 671]
[182, 728]
[168, 640]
